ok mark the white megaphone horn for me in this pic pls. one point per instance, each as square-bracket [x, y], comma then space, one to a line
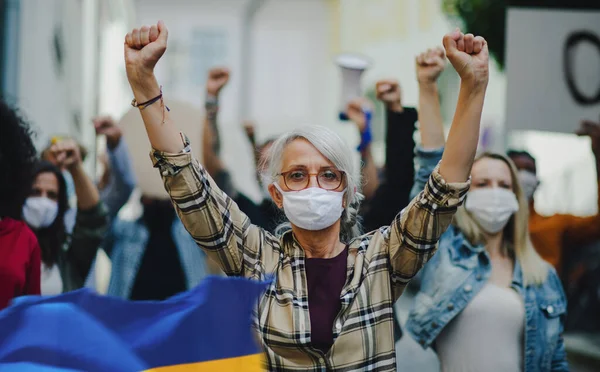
[352, 66]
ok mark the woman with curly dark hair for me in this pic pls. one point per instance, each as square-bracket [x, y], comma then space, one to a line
[19, 249]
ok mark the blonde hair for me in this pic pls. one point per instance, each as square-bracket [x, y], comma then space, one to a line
[516, 240]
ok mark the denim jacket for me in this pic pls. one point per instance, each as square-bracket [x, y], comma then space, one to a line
[459, 270]
[126, 244]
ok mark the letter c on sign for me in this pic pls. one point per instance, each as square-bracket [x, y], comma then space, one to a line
[574, 39]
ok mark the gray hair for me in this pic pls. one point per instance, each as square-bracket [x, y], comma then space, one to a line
[339, 153]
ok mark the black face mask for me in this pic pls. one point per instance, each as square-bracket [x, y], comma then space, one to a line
[158, 214]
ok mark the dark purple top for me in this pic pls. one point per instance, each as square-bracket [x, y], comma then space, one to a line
[325, 278]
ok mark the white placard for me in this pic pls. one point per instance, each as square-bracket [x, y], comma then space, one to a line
[553, 69]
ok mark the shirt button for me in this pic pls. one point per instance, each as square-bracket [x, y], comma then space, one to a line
[550, 309]
[338, 326]
[478, 277]
[434, 325]
[468, 288]
[321, 360]
[450, 306]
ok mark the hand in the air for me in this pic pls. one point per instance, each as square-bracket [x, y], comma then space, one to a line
[469, 55]
[591, 129]
[430, 65]
[388, 92]
[105, 125]
[217, 79]
[65, 154]
[356, 112]
[143, 49]
[249, 130]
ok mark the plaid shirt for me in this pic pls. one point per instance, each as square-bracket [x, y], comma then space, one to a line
[380, 264]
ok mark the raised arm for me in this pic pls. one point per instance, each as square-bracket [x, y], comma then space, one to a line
[92, 218]
[121, 180]
[581, 231]
[429, 65]
[393, 192]
[413, 236]
[469, 56]
[211, 140]
[212, 218]
[357, 112]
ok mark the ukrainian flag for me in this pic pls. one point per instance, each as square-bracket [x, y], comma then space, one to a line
[205, 329]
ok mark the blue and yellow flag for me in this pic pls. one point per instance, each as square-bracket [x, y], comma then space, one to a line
[205, 329]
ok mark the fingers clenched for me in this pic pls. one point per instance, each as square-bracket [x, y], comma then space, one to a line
[153, 33]
[469, 43]
[145, 35]
[135, 35]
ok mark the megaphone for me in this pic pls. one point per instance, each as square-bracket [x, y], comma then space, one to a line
[352, 66]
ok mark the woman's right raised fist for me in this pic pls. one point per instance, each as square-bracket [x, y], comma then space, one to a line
[143, 48]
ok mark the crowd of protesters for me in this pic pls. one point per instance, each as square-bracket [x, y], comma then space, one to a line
[343, 240]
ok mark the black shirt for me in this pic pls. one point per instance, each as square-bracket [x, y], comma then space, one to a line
[160, 274]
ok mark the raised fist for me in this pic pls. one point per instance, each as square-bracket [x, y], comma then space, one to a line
[105, 125]
[217, 79]
[469, 55]
[65, 154]
[591, 129]
[143, 49]
[430, 65]
[388, 92]
[356, 112]
[249, 130]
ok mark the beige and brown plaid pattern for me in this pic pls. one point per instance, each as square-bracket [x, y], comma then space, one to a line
[380, 264]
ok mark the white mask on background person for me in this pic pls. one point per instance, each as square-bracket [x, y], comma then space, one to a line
[492, 207]
[40, 212]
[312, 208]
[529, 183]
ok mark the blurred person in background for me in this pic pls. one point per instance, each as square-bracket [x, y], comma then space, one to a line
[553, 236]
[19, 249]
[152, 255]
[117, 182]
[66, 257]
[331, 304]
[263, 215]
[46, 155]
[487, 300]
[272, 216]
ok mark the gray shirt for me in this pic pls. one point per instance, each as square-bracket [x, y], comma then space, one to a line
[487, 335]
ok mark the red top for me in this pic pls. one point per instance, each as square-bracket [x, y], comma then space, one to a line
[20, 264]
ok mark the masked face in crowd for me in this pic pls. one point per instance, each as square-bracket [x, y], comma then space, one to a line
[310, 189]
[527, 174]
[41, 207]
[491, 200]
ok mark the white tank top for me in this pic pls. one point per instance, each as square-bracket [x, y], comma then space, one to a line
[51, 280]
[487, 335]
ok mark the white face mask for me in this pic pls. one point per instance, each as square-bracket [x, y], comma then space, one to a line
[492, 207]
[529, 183]
[40, 212]
[313, 208]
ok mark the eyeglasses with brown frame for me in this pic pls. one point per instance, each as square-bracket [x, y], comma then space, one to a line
[299, 179]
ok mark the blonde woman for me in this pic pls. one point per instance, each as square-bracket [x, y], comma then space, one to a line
[487, 301]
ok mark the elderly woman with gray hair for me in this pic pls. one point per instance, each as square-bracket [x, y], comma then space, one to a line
[330, 305]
